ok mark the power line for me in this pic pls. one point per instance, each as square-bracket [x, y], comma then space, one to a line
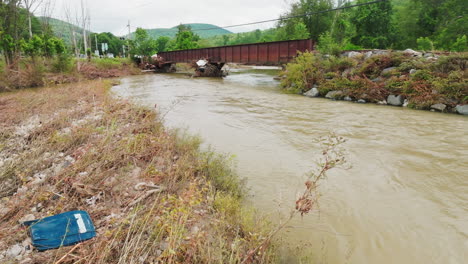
[292, 17]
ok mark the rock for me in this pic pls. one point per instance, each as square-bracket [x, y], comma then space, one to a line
[353, 54]
[412, 71]
[26, 218]
[383, 102]
[346, 73]
[347, 98]
[378, 79]
[368, 54]
[427, 55]
[439, 107]
[462, 109]
[413, 53]
[334, 95]
[388, 70]
[405, 103]
[314, 92]
[396, 100]
[381, 52]
[14, 251]
[361, 101]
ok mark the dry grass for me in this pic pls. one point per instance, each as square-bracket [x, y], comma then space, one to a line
[26, 73]
[153, 195]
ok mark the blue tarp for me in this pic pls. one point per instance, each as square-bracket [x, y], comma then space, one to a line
[61, 230]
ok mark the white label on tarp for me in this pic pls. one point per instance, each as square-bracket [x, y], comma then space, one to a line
[81, 224]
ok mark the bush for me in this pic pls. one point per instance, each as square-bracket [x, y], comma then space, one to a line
[339, 64]
[451, 63]
[373, 66]
[108, 63]
[461, 44]
[328, 45]
[303, 73]
[63, 63]
[425, 44]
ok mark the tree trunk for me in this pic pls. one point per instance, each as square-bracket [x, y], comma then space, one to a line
[30, 25]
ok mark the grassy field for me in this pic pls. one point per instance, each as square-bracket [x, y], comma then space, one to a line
[153, 195]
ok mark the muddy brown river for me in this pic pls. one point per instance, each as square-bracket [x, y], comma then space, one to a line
[405, 199]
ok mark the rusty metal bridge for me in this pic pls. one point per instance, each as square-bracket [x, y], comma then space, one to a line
[267, 53]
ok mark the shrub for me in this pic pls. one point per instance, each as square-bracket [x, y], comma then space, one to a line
[454, 87]
[350, 46]
[461, 44]
[422, 75]
[328, 45]
[424, 43]
[63, 63]
[338, 64]
[451, 63]
[373, 66]
[302, 73]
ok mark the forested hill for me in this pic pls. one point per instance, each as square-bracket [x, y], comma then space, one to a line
[63, 29]
[171, 32]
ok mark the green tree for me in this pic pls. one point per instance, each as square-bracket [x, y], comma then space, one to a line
[162, 44]
[143, 45]
[373, 24]
[185, 38]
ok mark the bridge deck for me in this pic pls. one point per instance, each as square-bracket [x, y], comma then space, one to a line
[267, 53]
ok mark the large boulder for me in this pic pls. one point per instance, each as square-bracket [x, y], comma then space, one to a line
[396, 100]
[353, 54]
[462, 109]
[334, 95]
[413, 53]
[314, 92]
[439, 107]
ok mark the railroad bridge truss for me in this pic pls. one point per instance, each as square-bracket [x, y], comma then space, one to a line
[266, 53]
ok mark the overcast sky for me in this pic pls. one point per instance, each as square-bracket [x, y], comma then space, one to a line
[113, 15]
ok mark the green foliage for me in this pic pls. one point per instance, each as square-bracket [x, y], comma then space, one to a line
[185, 39]
[374, 28]
[114, 43]
[338, 64]
[328, 45]
[63, 63]
[461, 44]
[33, 47]
[451, 63]
[162, 44]
[424, 43]
[303, 73]
[143, 45]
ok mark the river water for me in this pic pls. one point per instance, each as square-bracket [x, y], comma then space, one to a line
[405, 199]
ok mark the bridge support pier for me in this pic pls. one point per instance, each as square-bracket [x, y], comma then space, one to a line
[211, 69]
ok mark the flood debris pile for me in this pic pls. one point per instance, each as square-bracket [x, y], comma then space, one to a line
[153, 196]
[428, 81]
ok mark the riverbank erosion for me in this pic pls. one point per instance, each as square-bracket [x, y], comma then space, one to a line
[427, 81]
[153, 195]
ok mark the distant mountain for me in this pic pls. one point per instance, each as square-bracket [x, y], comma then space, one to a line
[171, 32]
[63, 29]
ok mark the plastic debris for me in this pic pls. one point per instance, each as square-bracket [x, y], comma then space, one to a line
[61, 230]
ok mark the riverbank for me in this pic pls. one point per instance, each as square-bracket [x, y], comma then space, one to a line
[42, 71]
[426, 81]
[153, 195]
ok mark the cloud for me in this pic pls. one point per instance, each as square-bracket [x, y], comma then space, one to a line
[113, 15]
